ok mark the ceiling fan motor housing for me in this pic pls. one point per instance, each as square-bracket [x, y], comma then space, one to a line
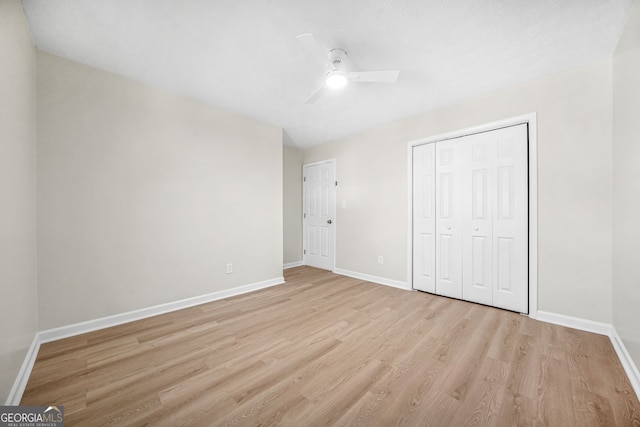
[338, 60]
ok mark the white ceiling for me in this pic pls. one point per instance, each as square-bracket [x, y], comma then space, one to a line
[243, 55]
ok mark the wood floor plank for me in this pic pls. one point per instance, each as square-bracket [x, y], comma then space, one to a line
[327, 408]
[503, 344]
[325, 349]
[555, 405]
[520, 397]
[485, 393]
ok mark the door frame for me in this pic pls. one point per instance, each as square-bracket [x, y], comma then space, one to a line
[531, 120]
[333, 213]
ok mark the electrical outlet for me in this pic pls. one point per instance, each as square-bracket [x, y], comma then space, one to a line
[229, 268]
[380, 259]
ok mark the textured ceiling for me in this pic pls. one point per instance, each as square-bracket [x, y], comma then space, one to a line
[243, 55]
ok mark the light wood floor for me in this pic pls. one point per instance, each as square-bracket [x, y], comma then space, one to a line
[330, 350]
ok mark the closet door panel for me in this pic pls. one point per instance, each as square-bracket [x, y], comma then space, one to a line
[477, 253]
[448, 224]
[511, 219]
[424, 244]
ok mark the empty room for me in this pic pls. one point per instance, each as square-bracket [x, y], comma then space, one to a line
[297, 213]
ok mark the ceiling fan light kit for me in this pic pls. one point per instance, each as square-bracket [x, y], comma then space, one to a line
[338, 74]
[336, 80]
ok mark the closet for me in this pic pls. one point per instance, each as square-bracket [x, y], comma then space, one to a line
[470, 218]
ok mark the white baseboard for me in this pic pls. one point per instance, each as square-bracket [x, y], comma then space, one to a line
[118, 319]
[627, 362]
[574, 322]
[375, 279]
[293, 264]
[603, 329]
[15, 395]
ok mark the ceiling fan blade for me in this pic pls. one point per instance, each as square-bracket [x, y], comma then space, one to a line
[316, 95]
[314, 48]
[374, 76]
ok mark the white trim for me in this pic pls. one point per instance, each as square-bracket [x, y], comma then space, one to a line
[335, 207]
[293, 264]
[600, 328]
[626, 361]
[374, 279]
[531, 120]
[15, 395]
[118, 319]
[320, 162]
[575, 322]
[510, 121]
[410, 146]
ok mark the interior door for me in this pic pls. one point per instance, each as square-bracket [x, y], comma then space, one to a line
[424, 222]
[319, 214]
[449, 165]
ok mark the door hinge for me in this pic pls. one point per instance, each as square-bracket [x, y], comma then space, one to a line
[336, 183]
[304, 252]
[304, 215]
[304, 179]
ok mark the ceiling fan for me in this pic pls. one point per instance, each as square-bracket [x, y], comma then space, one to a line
[338, 74]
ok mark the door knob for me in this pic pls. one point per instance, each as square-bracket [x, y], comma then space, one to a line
[449, 228]
[329, 221]
[476, 229]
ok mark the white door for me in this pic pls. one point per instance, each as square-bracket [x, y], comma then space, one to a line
[480, 202]
[477, 228]
[424, 223]
[511, 219]
[495, 219]
[319, 214]
[449, 166]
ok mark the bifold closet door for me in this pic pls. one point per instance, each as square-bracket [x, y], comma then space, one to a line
[495, 223]
[470, 218]
[437, 218]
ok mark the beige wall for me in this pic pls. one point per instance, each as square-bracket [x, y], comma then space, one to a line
[292, 194]
[574, 186]
[626, 186]
[144, 195]
[18, 303]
